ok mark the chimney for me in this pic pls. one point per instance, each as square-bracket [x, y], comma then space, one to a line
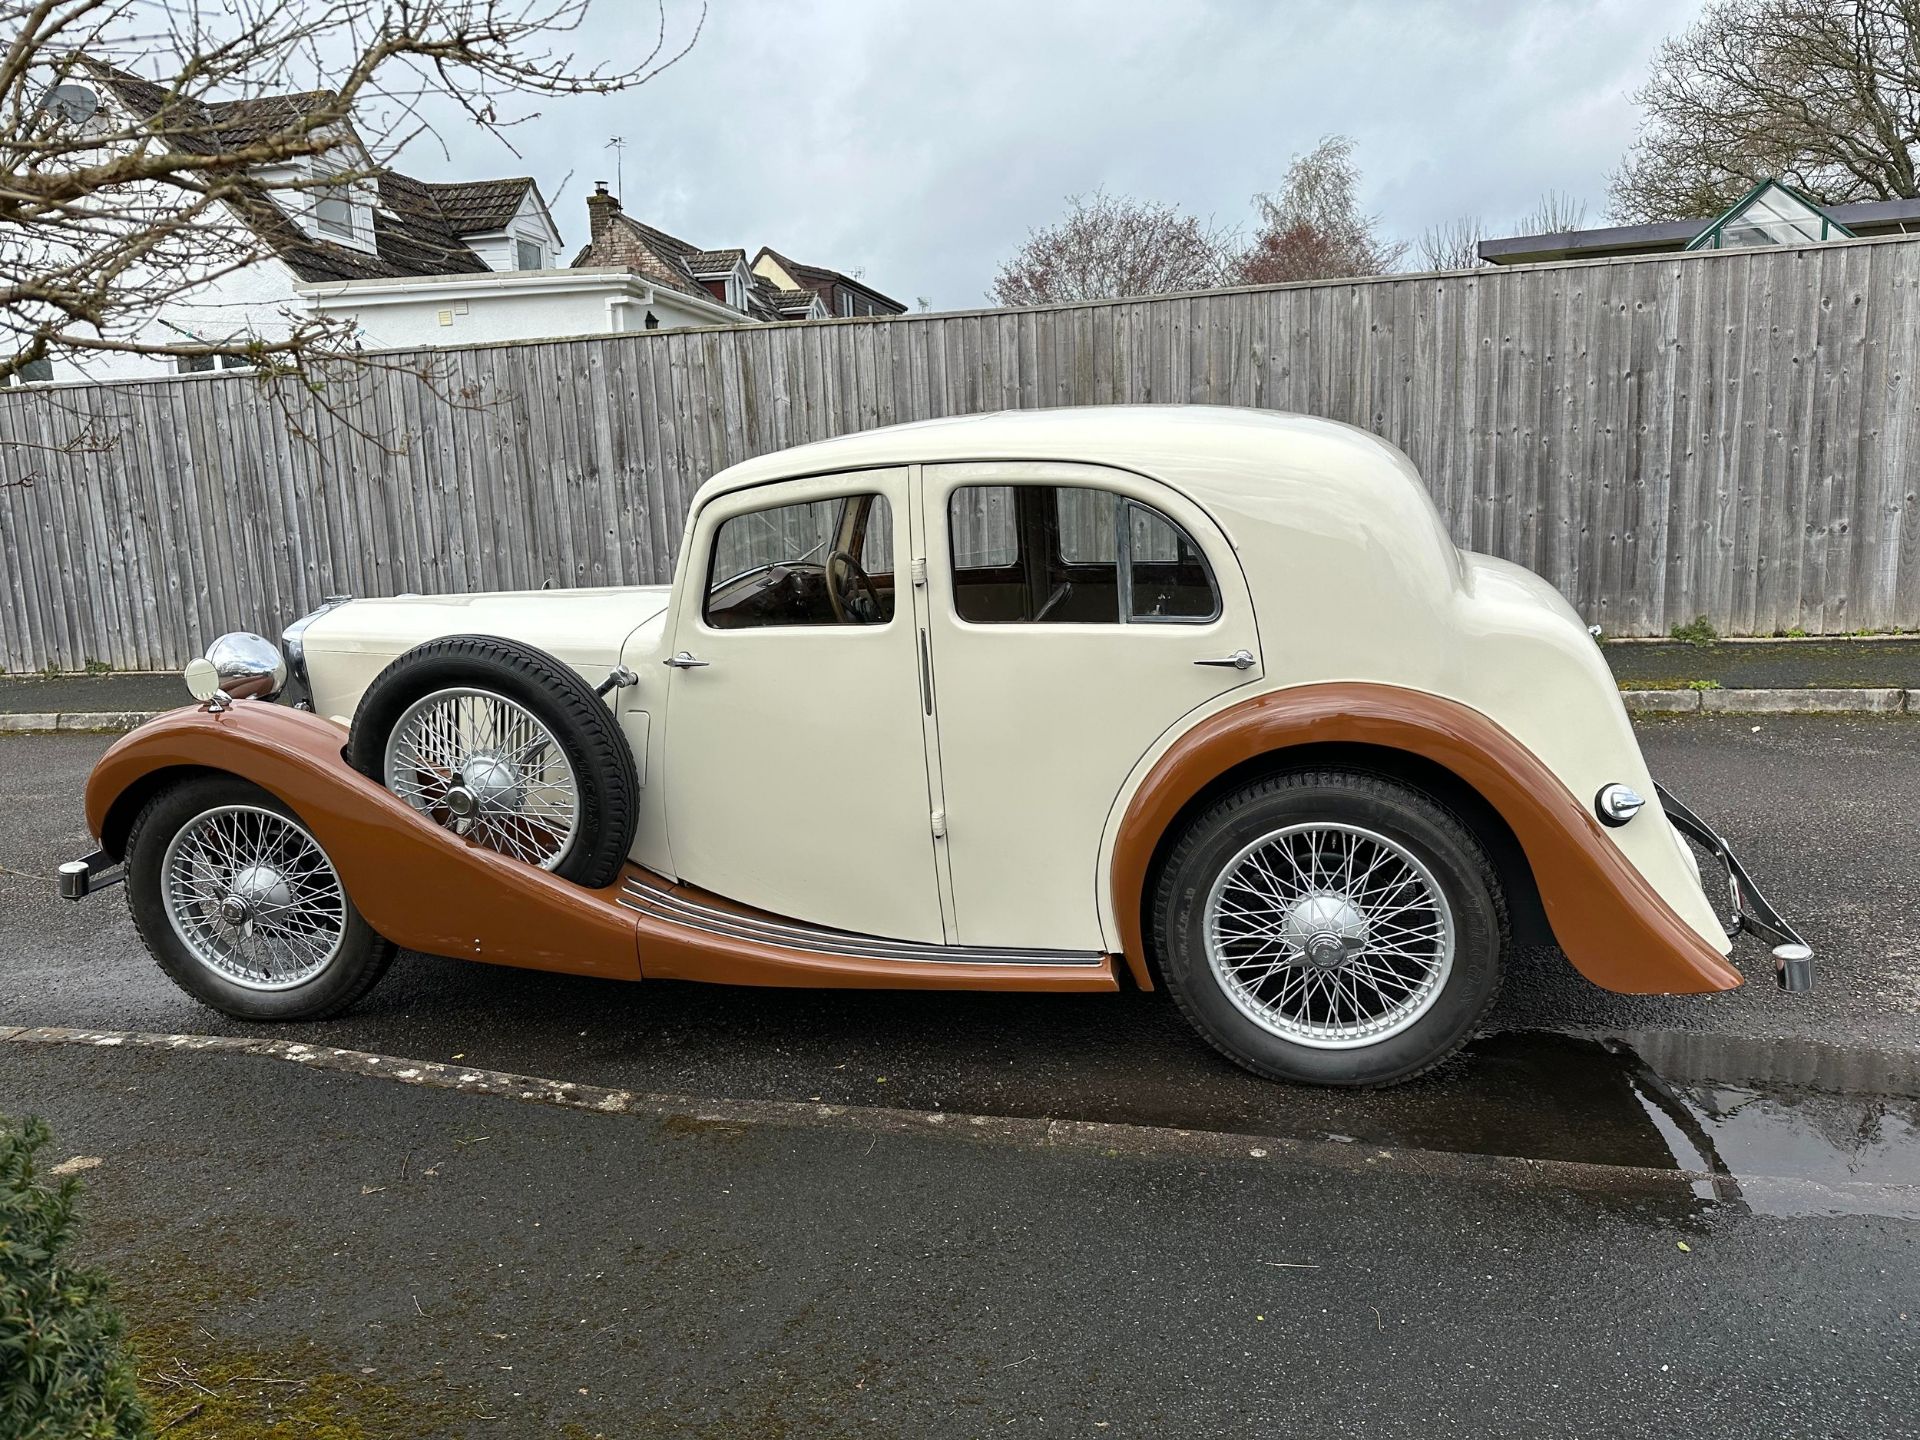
[601, 208]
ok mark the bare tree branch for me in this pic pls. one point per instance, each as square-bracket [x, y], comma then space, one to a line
[1453, 245]
[1821, 94]
[1111, 246]
[218, 133]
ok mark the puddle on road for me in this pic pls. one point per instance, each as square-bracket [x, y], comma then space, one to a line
[1779, 1127]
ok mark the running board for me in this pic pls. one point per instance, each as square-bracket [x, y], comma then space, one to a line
[652, 898]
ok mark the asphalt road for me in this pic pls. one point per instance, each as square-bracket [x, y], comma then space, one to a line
[301, 1246]
[1821, 807]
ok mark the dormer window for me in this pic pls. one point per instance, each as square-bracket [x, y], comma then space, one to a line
[528, 255]
[333, 209]
[737, 283]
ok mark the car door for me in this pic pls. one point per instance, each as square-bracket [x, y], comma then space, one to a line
[796, 776]
[1074, 614]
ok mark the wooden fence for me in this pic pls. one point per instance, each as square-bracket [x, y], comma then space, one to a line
[1733, 434]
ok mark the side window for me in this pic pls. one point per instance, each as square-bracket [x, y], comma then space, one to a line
[1071, 555]
[1168, 576]
[817, 562]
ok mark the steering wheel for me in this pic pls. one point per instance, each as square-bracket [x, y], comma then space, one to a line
[849, 606]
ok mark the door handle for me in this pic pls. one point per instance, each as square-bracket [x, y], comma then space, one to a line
[684, 661]
[1239, 660]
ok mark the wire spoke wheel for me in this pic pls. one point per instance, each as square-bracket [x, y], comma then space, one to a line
[488, 768]
[253, 897]
[1329, 935]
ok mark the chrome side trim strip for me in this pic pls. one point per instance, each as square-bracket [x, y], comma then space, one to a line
[662, 905]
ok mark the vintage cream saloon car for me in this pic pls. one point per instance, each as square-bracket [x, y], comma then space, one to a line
[1178, 697]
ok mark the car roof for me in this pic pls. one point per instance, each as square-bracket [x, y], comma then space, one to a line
[1185, 445]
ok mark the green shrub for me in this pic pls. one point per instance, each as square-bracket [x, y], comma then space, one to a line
[64, 1374]
[1697, 631]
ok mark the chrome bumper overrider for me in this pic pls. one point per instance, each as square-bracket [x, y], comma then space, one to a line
[1792, 957]
[80, 878]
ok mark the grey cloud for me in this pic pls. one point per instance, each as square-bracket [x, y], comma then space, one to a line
[919, 142]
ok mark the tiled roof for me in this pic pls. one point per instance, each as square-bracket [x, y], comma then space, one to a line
[797, 302]
[709, 264]
[822, 280]
[472, 206]
[241, 122]
[201, 128]
[416, 225]
[404, 244]
[624, 242]
[662, 258]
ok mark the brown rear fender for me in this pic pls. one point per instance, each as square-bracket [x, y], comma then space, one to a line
[419, 885]
[1605, 915]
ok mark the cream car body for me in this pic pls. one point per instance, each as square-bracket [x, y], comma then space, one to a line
[1061, 701]
[992, 820]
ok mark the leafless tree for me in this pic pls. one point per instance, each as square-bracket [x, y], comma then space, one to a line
[149, 148]
[1556, 213]
[1454, 245]
[1111, 246]
[1821, 94]
[1313, 228]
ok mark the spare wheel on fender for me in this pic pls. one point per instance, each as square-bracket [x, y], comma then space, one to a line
[500, 742]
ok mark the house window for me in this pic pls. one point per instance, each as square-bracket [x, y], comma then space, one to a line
[235, 362]
[333, 209]
[36, 371]
[528, 255]
[193, 364]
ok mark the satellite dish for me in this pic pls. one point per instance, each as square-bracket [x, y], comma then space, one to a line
[75, 104]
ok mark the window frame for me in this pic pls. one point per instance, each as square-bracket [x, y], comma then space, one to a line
[334, 192]
[521, 245]
[1123, 560]
[703, 595]
[1123, 512]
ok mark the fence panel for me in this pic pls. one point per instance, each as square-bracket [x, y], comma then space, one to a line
[1733, 434]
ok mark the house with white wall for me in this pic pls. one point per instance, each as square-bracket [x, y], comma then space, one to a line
[405, 263]
[316, 227]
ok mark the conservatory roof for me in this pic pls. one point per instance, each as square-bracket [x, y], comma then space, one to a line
[1770, 214]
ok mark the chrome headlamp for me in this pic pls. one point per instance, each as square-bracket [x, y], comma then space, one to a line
[238, 666]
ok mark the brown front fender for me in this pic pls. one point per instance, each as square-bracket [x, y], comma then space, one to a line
[428, 889]
[1606, 916]
[419, 885]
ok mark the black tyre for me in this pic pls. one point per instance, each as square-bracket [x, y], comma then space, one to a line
[501, 742]
[241, 906]
[1330, 927]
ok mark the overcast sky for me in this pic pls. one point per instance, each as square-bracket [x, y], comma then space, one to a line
[918, 141]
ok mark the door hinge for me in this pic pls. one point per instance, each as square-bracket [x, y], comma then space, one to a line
[917, 569]
[939, 824]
